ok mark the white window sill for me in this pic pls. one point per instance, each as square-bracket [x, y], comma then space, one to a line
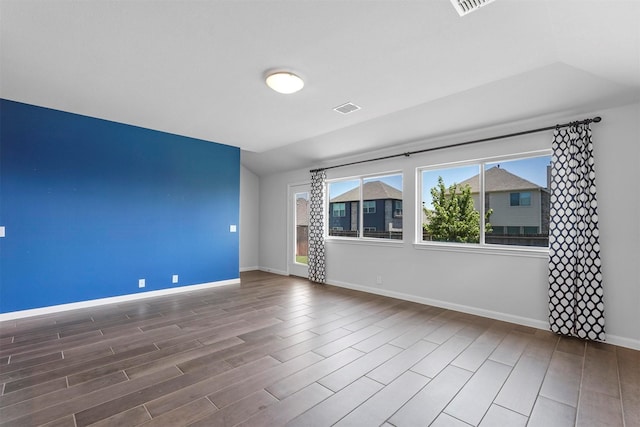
[484, 249]
[367, 241]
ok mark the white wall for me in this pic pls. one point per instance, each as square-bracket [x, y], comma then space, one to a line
[512, 287]
[249, 219]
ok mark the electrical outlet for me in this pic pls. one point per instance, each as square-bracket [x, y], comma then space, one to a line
[379, 280]
[233, 228]
[142, 283]
[174, 278]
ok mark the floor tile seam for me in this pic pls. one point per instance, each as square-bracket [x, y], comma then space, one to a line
[138, 391]
[539, 386]
[102, 366]
[516, 361]
[513, 410]
[308, 409]
[151, 417]
[277, 380]
[620, 389]
[468, 381]
[579, 399]
[444, 411]
[367, 399]
[412, 396]
[27, 366]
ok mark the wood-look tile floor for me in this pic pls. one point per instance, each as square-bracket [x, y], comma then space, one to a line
[279, 350]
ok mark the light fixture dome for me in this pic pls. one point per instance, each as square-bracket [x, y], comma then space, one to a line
[284, 82]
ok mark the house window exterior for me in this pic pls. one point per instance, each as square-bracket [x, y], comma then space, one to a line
[520, 199]
[338, 209]
[397, 208]
[369, 207]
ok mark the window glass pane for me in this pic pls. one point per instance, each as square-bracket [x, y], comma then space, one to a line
[513, 230]
[517, 198]
[369, 207]
[344, 198]
[381, 193]
[338, 209]
[397, 209]
[302, 227]
[450, 204]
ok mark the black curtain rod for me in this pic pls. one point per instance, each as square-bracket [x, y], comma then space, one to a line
[460, 144]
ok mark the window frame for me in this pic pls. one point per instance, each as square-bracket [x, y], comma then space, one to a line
[361, 238]
[482, 246]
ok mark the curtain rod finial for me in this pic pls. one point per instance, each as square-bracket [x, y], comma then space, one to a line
[597, 119]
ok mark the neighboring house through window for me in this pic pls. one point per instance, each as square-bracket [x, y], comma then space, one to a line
[381, 201]
[516, 209]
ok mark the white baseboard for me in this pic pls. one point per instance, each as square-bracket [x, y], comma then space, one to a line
[623, 342]
[111, 300]
[525, 321]
[243, 269]
[534, 323]
[274, 271]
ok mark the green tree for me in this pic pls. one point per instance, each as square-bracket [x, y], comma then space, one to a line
[453, 217]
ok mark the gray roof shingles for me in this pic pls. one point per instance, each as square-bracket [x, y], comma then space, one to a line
[373, 190]
[499, 179]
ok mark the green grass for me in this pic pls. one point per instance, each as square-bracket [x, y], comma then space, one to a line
[302, 259]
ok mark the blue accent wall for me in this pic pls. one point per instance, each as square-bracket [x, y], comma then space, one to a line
[91, 206]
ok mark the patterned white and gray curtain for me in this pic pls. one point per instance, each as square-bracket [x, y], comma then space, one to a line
[576, 305]
[316, 260]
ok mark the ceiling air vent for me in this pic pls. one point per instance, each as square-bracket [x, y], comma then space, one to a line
[347, 108]
[467, 6]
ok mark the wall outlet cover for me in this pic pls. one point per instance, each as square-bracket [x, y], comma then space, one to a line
[174, 278]
[142, 283]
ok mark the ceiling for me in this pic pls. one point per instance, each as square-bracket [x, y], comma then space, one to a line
[417, 69]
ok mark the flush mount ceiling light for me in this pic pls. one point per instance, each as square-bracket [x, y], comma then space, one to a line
[284, 82]
[467, 6]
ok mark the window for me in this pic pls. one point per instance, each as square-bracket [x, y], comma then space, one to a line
[338, 209]
[369, 207]
[520, 199]
[397, 208]
[365, 207]
[461, 203]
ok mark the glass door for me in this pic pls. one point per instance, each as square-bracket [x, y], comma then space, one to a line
[298, 229]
